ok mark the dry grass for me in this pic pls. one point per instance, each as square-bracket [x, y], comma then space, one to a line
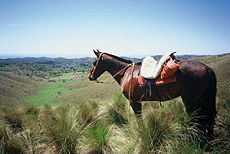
[109, 127]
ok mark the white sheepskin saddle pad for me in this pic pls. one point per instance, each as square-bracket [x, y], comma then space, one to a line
[150, 68]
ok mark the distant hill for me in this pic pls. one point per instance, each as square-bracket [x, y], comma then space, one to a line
[14, 86]
[47, 60]
[75, 62]
[45, 66]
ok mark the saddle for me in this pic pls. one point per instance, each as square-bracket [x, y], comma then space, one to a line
[154, 73]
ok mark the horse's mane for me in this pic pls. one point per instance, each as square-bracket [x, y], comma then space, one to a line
[119, 58]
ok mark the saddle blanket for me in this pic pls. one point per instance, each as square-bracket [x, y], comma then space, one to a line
[158, 80]
[167, 74]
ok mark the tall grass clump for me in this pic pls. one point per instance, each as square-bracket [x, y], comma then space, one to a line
[115, 111]
[111, 113]
[221, 144]
[9, 143]
[156, 126]
[31, 136]
[63, 126]
[14, 117]
[96, 137]
[87, 113]
[21, 130]
[13, 127]
[185, 136]
[60, 128]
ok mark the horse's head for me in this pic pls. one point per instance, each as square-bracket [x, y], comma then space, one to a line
[97, 67]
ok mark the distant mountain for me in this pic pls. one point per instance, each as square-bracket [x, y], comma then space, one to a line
[47, 60]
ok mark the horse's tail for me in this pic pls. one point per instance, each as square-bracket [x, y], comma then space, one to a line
[209, 97]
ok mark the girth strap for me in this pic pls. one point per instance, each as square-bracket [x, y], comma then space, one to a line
[150, 85]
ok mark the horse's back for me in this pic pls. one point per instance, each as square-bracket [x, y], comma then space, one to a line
[193, 78]
[194, 69]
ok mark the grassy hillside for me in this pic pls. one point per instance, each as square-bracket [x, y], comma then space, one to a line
[84, 89]
[14, 87]
[88, 117]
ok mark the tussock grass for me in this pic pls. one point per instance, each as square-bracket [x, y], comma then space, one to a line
[156, 126]
[95, 140]
[110, 114]
[64, 125]
[221, 144]
[110, 126]
[87, 113]
[115, 111]
[14, 118]
[125, 139]
[60, 128]
[9, 143]
[184, 137]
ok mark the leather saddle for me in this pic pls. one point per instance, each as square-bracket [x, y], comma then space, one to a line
[151, 71]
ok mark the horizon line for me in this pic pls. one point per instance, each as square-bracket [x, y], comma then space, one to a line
[13, 56]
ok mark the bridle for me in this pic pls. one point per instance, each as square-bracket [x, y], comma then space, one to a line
[99, 58]
[131, 64]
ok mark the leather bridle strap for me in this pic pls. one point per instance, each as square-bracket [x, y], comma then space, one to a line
[130, 87]
[114, 74]
[99, 58]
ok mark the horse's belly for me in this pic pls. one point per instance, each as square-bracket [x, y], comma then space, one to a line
[165, 92]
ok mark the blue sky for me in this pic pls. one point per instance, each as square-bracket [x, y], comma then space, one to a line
[73, 28]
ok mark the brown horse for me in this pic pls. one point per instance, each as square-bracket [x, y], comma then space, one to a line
[195, 83]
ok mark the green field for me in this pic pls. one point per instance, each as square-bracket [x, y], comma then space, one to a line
[47, 94]
[72, 88]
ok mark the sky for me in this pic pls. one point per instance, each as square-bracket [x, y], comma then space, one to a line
[73, 28]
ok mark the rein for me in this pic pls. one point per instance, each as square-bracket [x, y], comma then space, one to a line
[115, 74]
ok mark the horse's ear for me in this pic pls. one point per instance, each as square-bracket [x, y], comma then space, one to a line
[97, 52]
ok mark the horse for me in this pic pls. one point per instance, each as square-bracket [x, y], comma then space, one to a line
[195, 83]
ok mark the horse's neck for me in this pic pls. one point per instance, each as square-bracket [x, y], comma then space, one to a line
[115, 67]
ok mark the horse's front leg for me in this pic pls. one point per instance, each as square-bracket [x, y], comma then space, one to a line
[137, 108]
